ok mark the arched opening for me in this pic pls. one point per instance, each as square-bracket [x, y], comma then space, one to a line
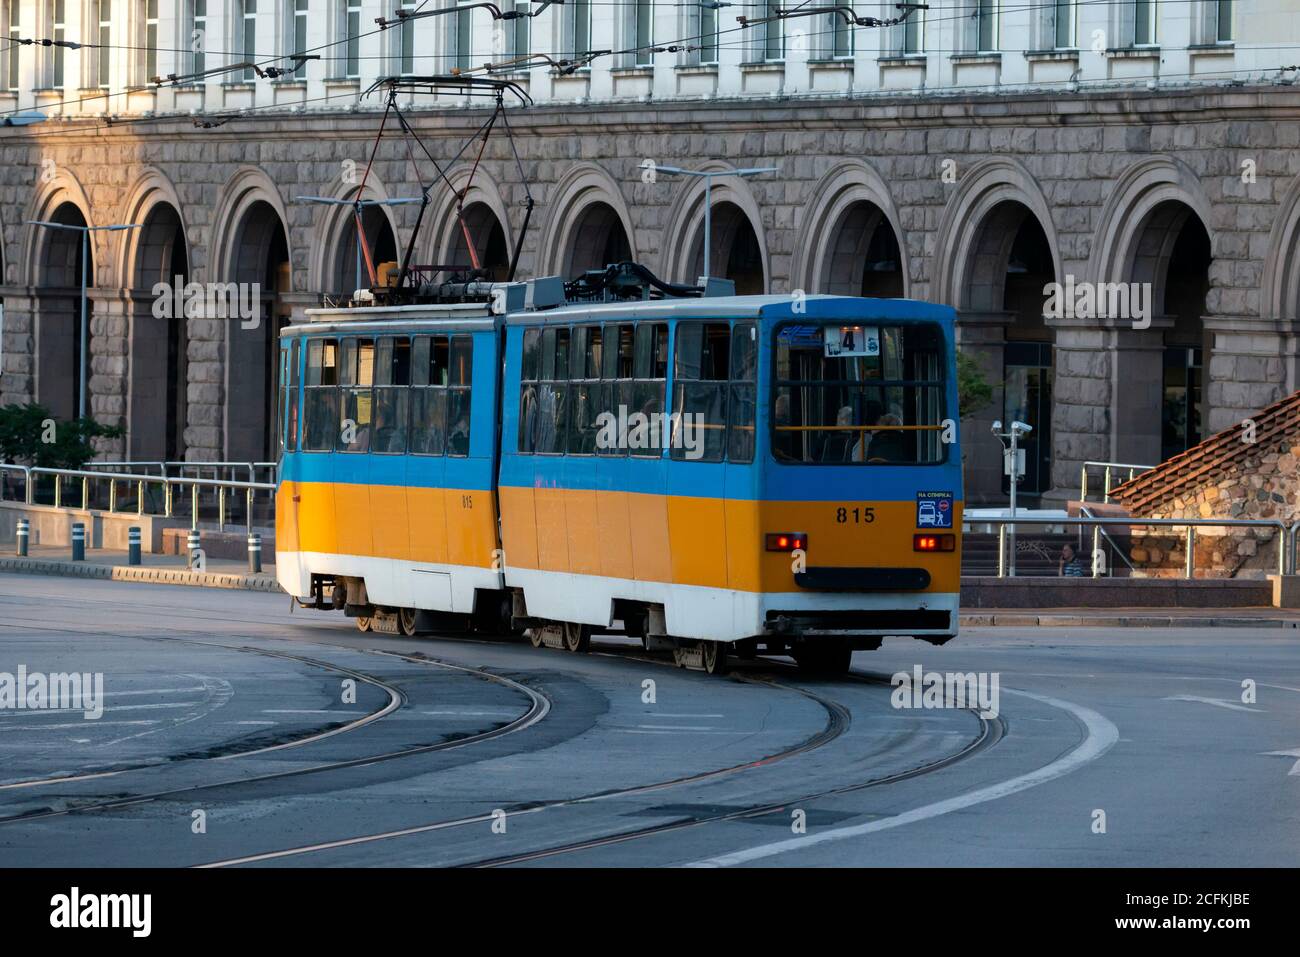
[60, 369]
[349, 270]
[1172, 255]
[489, 238]
[159, 356]
[1010, 264]
[864, 257]
[734, 251]
[260, 266]
[597, 239]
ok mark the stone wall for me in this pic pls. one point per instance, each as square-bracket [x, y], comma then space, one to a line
[1090, 166]
[1262, 486]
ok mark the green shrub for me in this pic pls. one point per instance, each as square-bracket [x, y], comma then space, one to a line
[30, 435]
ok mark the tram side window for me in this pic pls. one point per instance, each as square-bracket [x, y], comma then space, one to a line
[356, 403]
[617, 383]
[549, 425]
[321, 396]
[651, 374]
[291, 435]
[392, 395]
[700, 391]
[740, 403]
[441, 376]
[528, 379]
[587, 394]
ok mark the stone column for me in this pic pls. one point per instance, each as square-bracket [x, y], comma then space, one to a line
[982, 336]
[18, 367]
[1081, 405]
[1254, 363]
[109, 341]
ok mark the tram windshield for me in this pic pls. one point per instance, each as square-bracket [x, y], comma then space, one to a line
[858, 394]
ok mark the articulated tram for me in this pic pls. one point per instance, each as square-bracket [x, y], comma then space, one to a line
[716, 474]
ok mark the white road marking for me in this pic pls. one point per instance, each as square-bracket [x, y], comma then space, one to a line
[308, 711]
[683, 731]
[499, 713]
[677, 727]
[1101, 736]
[253, 722]
[84, 724]
[123, 694]
[1293, 753]
[660, 714]
[1217, 702]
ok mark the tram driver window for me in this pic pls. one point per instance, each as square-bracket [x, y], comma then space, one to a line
[874, 396]
[320, 396]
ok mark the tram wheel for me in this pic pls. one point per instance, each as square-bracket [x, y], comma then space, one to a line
[534, 637]
[363, 623]
[713, 656]
[577, 638]
[406, 621]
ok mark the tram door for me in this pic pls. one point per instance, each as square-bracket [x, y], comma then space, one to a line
[1027, 398]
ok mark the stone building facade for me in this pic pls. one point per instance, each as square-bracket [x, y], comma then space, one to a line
[979, 197]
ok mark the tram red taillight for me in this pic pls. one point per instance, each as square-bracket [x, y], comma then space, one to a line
[934, 543]
[786, 541]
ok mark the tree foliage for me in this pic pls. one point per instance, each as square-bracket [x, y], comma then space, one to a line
[30, 435]
[973, 390]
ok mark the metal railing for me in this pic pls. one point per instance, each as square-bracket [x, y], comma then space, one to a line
[219, 470]
[1108, 469]
[220, 488]
[1286, 535]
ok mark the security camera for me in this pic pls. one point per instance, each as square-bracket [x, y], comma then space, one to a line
[997, 426]
[1021, 428]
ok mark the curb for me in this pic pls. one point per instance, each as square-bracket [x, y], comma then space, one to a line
[139, 573]
[1126, 621]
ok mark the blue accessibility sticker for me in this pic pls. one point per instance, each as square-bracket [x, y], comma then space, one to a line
[934, 509]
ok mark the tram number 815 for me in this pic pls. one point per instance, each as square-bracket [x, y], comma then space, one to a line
[855, 516]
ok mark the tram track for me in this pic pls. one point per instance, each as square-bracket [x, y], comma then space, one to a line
[540, 707]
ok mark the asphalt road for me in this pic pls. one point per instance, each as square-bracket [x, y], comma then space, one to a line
[236, 733]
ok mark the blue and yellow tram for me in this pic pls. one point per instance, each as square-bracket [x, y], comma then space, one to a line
[751, 474]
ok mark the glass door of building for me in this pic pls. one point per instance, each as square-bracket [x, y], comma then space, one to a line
[1027, 397]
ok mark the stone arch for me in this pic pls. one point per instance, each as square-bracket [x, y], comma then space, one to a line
[586, 206]
[963, 249]
[741, 218]
[1280, 282]
[332, 269]
[249, 245]
[486, 218]
[156, 257]
[1141, 219]
[52, 268]
[847, 209]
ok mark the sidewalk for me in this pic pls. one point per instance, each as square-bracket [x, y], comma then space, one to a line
[227, 573]
[107, 563]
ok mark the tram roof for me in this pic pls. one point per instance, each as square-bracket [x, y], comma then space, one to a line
[742, 307]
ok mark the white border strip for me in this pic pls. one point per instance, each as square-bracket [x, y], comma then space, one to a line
[1101, 736]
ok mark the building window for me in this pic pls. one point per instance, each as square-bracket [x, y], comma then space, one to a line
[198, 34]
[520, 47]
[464, 39]
[707, 30]
[150, 39]
[985, 24]
[104, 17]
[838, 37]
[299, 42]
[13, 24]
[248, 36]
[58, 24]
[911, 34]
[643, 18]
[580, 25]
[771, 35]
[1223, 21]
[352, 38]
[1144, 22]
[406, 41]
[1061, 32]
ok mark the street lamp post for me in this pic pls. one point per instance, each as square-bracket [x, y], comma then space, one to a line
[708, 176]
[85, 314]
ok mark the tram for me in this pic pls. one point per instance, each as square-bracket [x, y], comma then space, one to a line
[718, 475]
